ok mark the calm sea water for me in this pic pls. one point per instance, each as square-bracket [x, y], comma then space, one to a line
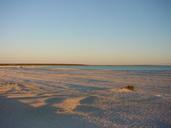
[122, 68]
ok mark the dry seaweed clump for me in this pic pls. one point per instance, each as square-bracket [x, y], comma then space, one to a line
[129, 87]
[126, 89]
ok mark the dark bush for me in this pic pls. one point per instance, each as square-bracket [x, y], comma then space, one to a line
[130, 87]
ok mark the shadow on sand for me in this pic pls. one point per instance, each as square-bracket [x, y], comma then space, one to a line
[14, 114]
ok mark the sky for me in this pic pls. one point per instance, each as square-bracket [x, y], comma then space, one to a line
[102, 32]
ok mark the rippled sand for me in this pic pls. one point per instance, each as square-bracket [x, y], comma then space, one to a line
[38, 97]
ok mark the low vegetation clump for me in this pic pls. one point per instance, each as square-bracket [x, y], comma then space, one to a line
[130, 87]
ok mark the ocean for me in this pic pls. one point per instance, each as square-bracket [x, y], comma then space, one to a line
[118, 68]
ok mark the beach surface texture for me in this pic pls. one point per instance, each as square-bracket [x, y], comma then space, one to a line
[43, 97]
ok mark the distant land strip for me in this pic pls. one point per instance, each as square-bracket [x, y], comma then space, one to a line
[63, 64]
[40, 64]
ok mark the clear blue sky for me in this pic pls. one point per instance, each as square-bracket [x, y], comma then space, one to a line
[85, 31]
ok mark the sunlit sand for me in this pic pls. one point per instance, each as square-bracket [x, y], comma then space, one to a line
[69, 105]
[68, 97]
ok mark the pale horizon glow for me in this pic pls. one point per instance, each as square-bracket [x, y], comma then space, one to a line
[100, 32]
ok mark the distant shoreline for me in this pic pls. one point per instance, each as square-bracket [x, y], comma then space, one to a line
[30, 64]
[44, 64]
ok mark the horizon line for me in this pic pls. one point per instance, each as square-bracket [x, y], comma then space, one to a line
[76, 64]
